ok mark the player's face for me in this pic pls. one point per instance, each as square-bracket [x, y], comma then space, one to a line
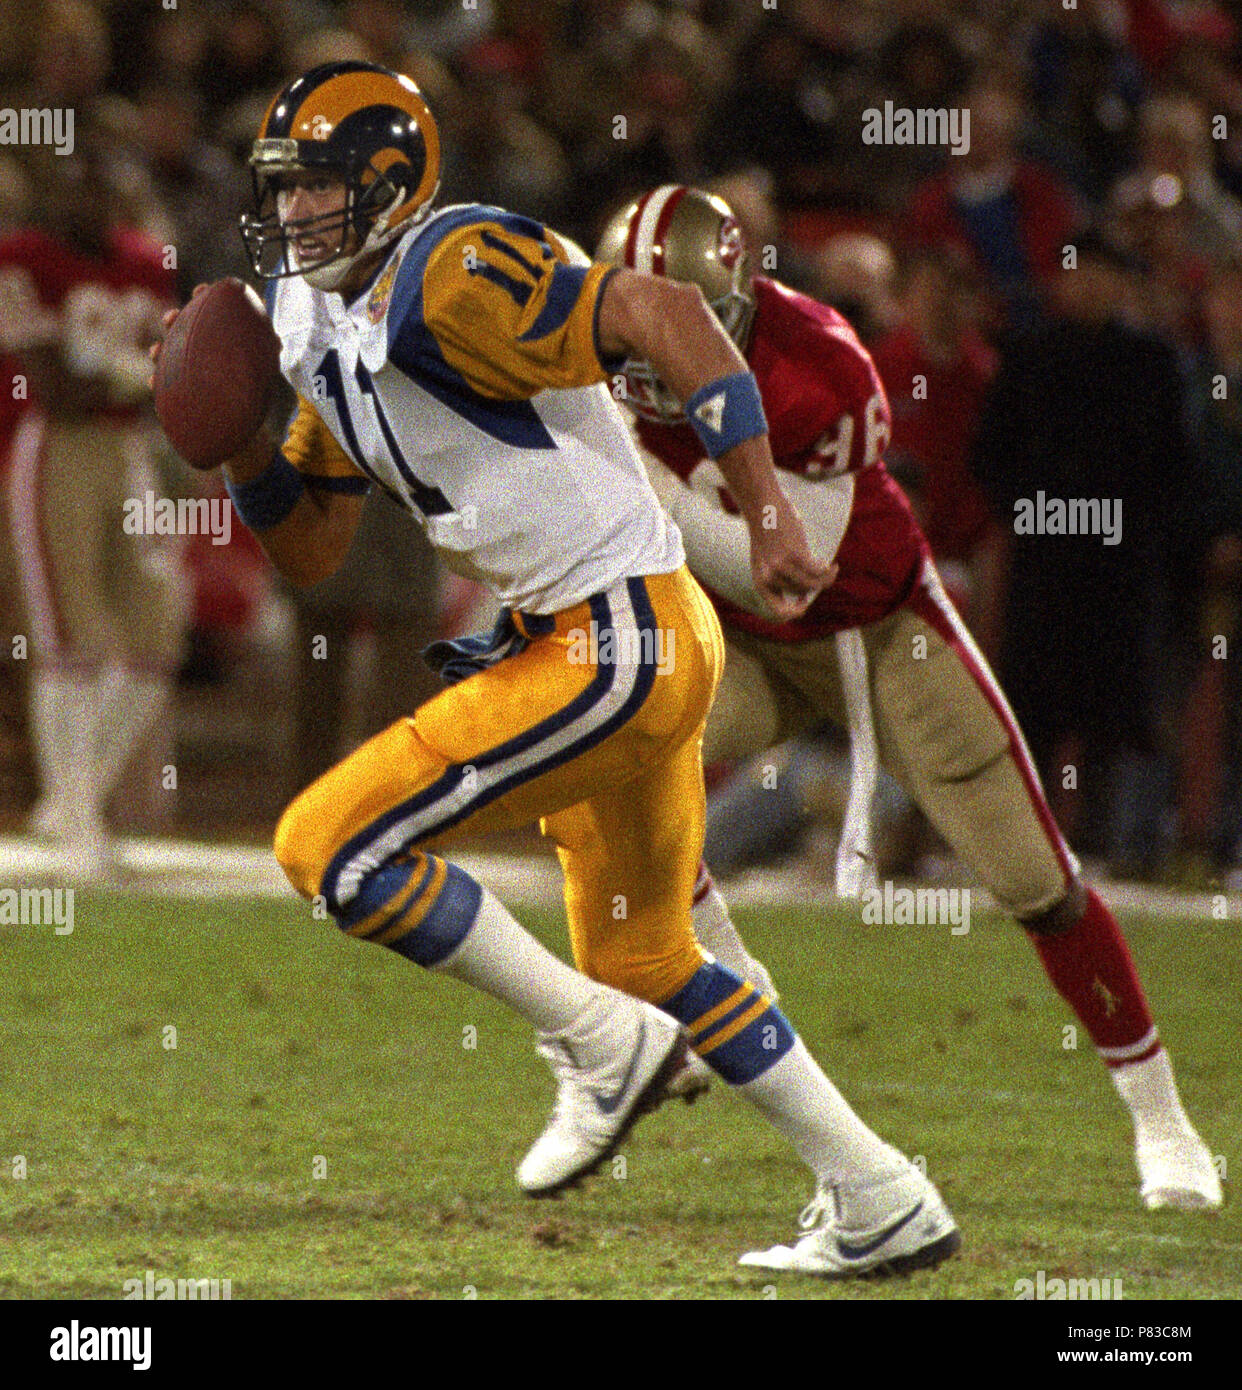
[311, 206]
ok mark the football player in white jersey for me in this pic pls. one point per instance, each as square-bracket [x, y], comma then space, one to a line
[455, 359]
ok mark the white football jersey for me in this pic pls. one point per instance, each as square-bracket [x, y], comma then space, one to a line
[466, 381]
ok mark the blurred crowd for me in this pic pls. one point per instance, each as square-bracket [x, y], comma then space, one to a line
[1112, 126]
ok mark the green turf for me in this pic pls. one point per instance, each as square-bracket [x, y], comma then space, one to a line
[293, 1043]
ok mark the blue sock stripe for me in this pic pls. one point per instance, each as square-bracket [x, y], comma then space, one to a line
[377, 889]
[447, 924]
[757, 1047]
[708, 986]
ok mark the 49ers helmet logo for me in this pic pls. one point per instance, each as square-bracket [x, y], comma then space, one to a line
[729, 246]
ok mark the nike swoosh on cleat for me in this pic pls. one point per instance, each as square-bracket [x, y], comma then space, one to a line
[608, 1104]
[858, 1252]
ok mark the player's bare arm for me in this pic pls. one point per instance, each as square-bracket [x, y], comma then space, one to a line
[670, 325]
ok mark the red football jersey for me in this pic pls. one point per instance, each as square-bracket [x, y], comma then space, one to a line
[827, 414]
[98, 300]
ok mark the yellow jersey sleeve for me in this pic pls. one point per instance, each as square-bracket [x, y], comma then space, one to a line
[313, 450]
[510, 313]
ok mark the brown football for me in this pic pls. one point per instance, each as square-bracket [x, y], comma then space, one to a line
[216, 373]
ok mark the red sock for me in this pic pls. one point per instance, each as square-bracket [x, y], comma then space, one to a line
[1090, 966]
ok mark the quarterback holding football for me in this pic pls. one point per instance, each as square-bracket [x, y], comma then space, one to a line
[457, 359]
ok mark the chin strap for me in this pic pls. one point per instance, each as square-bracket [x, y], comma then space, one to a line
[329, 275]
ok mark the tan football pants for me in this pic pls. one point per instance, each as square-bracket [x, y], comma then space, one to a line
[92, 592]
[943, 729]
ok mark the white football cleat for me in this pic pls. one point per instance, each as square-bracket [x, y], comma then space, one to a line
[597, 1105]
[893, 1227]
[1177, 1172]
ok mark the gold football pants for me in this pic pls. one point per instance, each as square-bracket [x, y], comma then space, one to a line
[594, 728]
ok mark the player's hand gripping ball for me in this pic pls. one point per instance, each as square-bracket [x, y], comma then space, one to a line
[216, 372]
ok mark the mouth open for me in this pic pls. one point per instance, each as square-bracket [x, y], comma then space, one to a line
[312, 250]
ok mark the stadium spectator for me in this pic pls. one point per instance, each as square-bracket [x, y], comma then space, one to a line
[496, 153]
[1209, 799]
[382, 28]
[1153, 222]
[1086, 89]
[105, 608]
[781, 112]
[245, 54]
[658, 137]
[1086, 409]
[1175, 166]
[921, 65]
[195, 183]
[855, 273]
[1012, 216]
[72, 55]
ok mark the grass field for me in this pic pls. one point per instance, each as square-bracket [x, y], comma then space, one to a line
[294, 1044]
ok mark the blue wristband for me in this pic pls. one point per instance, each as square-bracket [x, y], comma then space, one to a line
[265, 501]
[727, 412]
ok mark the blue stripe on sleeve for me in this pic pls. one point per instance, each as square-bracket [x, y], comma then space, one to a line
[563, 294]
[519, 292]
[534, 271]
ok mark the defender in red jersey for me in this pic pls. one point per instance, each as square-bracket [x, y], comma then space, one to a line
[882, 653]
[106, 610]
[828, 421]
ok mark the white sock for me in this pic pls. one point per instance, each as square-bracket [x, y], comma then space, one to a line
[716, 933]
[501, 958]
[65, 714]
[800, 1101]
[130, 701]
[1150, 1092]
[49, 727]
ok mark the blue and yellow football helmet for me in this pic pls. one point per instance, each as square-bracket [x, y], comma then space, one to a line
[368, 126]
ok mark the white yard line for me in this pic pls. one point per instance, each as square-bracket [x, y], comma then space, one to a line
[185, 868]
